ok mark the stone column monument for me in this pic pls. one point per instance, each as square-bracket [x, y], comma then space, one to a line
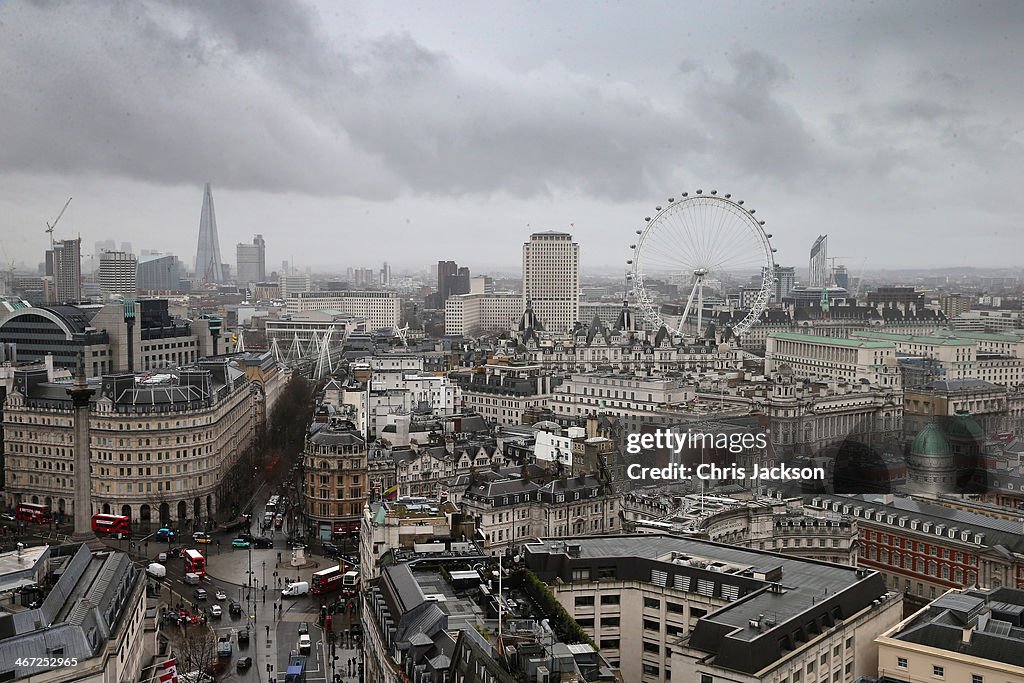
[80, 392]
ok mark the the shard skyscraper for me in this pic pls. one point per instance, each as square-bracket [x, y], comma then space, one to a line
[208, 263]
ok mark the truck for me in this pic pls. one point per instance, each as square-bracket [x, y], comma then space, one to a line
[296, 589]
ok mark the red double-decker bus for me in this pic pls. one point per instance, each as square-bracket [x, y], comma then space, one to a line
[33, 512]
[327, 580]
[111, 525]
[195, 563]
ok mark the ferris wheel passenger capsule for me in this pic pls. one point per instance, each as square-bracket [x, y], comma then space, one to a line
[657, 208]
[670, 200]
[727, 195]
[686, 194]
[700, 191]
[740, 202]
[714, 191]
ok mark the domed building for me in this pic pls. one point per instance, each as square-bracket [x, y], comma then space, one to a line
[931, 465]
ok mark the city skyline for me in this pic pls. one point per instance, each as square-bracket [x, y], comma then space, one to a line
[887, 127]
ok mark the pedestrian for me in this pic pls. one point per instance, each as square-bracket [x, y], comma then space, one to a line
[268, 631]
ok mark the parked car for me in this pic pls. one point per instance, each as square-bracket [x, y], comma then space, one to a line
[263, 542]
[329, 549]
[244, 662]
[221, 595]
[216, 612]
[240, 543]
[246, 537]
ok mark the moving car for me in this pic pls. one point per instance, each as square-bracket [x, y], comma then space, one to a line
[192, 578]
[156, 570]
[201, 537]
[305, 644]
[303, 628]
[243, 637]
[216, 611]
[262, 542]
[161, 558]
[9, 516]
[244, 662]
[200, 594]
[224, 646]
[221, 595]
[329, 549]
[240, 543]
[296, 589]
[235, 609]
[164, 534]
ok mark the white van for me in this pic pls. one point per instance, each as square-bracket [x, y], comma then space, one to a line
[296, 589]
[156, 570]
[192, 579]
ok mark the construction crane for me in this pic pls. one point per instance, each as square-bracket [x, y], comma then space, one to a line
[50, 227]
[832, 270]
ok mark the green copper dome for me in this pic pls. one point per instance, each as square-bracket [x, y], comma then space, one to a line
[930, 442]
[963, 426]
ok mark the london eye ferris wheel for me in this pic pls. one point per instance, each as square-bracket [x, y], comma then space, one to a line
[702, 240]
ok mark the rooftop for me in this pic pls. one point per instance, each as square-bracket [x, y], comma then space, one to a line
[911, 338]
[770, 596]
[833, 341]
[987, 624]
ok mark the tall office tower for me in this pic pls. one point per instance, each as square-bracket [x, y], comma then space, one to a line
[64, 262]
[117, 275]
[445, 270]
[385, 274]
[159, 273]
[785, 280]
[208, 263]
[841, 276]
[551, 279]
[451, 279]
[818, 275]
[105, 245]
[251, 261]
[126, 247]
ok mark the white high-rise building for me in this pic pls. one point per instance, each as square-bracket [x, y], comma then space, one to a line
[117, 275]
[551, 279]
[251, 261]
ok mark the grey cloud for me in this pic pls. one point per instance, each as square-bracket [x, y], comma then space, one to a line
[255, 97]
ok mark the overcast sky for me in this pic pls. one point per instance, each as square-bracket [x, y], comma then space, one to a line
[353, 133]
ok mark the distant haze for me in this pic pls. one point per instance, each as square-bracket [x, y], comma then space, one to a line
[349, 134]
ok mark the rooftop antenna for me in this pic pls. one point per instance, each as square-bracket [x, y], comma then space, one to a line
[51, 226]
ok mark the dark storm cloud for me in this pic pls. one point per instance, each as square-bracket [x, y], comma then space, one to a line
[253, 95]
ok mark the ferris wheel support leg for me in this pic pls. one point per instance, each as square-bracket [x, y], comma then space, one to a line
[689, 302]
[700, 306]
